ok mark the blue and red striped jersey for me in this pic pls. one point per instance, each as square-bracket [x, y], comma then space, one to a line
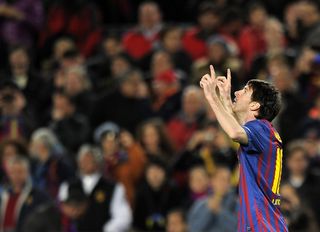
[260, 174]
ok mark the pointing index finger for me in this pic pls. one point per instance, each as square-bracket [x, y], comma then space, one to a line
[213, 73]
[229, 75]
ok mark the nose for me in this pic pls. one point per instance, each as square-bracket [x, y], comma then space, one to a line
[236, 93]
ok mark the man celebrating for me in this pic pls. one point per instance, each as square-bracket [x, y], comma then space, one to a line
[247, 120]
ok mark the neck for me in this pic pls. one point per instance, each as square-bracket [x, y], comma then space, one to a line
[243, 118]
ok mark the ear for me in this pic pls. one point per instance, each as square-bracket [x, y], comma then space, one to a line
[254, 106]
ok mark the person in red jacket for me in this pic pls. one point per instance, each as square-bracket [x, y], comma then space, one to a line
[194, 40]
[139, 41]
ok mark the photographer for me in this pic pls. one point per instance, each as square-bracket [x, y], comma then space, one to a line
[15, 119]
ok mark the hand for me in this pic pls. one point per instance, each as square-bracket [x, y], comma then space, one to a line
[209, 85]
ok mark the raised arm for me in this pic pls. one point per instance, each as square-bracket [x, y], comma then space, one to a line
[225, 116]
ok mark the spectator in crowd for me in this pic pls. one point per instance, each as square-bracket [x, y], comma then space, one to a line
[217, 212]
[108, 209]
[132, 95]
[299, 217]
[78, 87]
[21, 21]
[232, 21]
[171, 42]
[154, 199]
[99, 66]
[198, 185]
[182, 126]
[139, 41]
[208, 147]
[63, 216]
[71, 128]
[124, 159]
[176, 221]
[16, 118]
[153, 137]
[20, 197]
[298, 175]
[289, 120]
[194, 40]
[167, 92]
[252, 40]
[23, 74]
[9, 149]
[59, 48]
[52, 167]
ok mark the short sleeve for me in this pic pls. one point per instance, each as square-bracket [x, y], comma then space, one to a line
[258, 137]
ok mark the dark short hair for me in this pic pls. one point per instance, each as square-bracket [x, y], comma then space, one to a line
[268, 96]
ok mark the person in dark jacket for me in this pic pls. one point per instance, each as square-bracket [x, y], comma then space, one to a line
[108, 208]
[51, 168]
[63, 216]
[154, 198]
[71, 128]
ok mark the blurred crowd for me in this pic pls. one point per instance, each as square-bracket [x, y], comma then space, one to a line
[103, 126]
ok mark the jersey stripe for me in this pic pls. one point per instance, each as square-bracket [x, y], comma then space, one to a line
[247, 200]
[277, 171]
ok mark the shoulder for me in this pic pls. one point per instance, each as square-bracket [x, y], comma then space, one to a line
[260, 125]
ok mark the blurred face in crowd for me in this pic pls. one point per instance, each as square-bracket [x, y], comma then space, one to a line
[130, 85]
[19, 62]
[74, 82]
[119, 66]
[221, 180]
[150, 136]
[61, 46]
[198, 180]
[155, 176]
[62, 104]
[18, 174]
[39, 150]
[281, 78]
[110, 144]
[258, 17]
[172, 40]
[9, 151]
[192, 102]
[87, 164]
[111, 46]
[161, 62]
[149, 15]
[217, 53]
[73, 210]
[297, 162]
[176, 222]
[209, 21]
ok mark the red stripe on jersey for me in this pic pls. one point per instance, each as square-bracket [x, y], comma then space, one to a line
[258, 215]
[244, 184]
